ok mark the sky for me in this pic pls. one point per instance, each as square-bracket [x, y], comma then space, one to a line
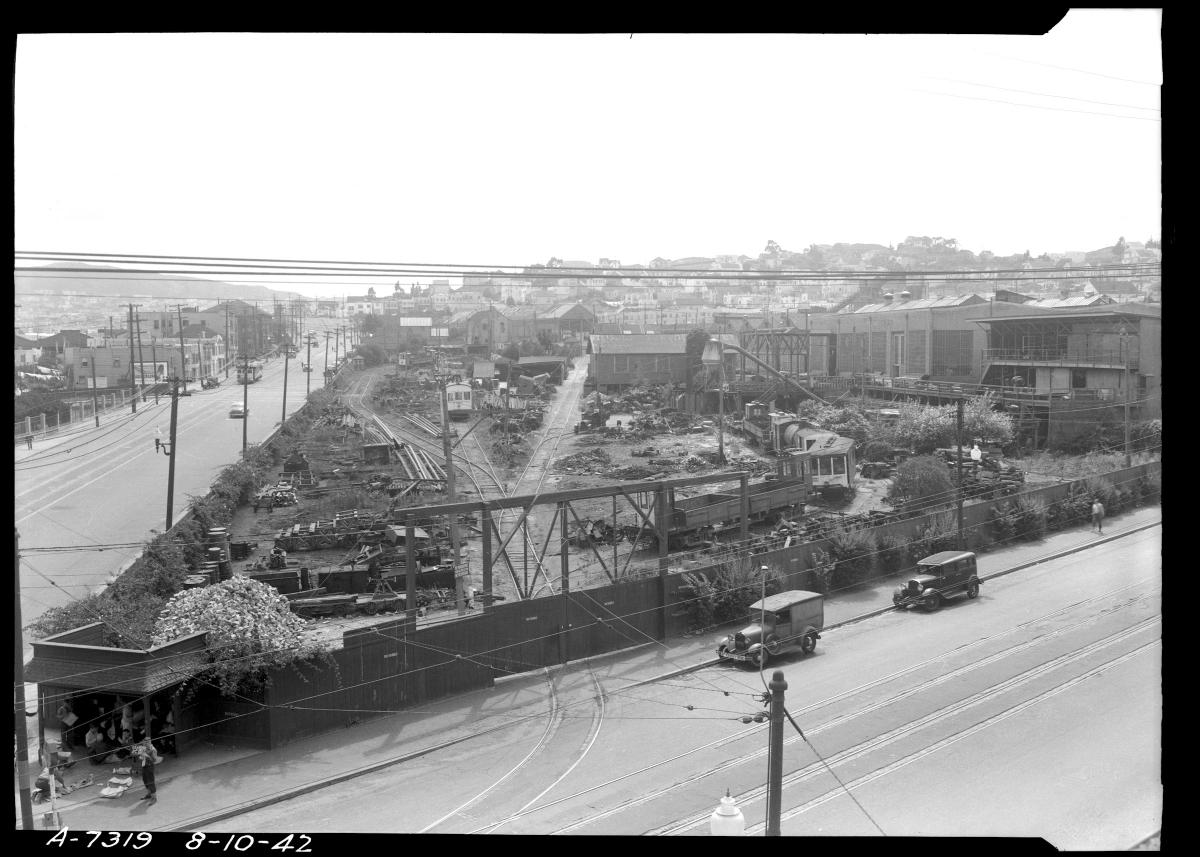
[508, 149]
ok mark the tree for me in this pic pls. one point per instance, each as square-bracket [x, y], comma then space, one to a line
[372, 354]
[924, 428]
[512, 351]
[924, 478]
[251, 630]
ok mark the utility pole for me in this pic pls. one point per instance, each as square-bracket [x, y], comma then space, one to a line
[1128, 396]
[182, 348]
[245, 401]
[325, 375]
[19, 692]
[721, 410]
[132, 377]
[227, 343]
[286, 351]
[451, 494]
[154, 362]
[141, 356]
[307, 366]
[962, 544]
[95, 401]
[775, 755]
[171, 456]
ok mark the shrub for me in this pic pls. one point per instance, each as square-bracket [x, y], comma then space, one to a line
[893, 553]
[940, 534]
[852, 548]
[1002, 523]
[726, 595]
[821, 565]
[1029, 518]
[876, 450]
[924, 478]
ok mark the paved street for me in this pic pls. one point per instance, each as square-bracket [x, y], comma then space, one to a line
[108, 486]
[981, 719]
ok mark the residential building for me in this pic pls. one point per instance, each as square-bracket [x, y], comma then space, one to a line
[27, 352]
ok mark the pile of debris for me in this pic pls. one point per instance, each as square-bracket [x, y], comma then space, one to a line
[632, 472]
[590, 461]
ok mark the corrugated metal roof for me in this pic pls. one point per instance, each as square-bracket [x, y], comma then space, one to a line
[639, 343]
[922, 303]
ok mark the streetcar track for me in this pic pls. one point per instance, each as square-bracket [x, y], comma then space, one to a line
[958, 736]
[552, 723]
[907, 729]
[838, 721]
[593, 734]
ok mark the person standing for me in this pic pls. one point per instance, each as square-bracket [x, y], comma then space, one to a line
[29, 441]
[146, 757]
[1098, 516]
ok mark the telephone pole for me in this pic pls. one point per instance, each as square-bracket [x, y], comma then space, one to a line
[227, 344]
[1128, 396]
[286, 352]
[154, 362]
[307, 366]
[182, 348]
[245, 401]
[326, 373]
[141, 356]
[451, 493]
[962, 544]
[132, 378]
[775, 755]
[19, 692]
[171, 456]
[95, 401]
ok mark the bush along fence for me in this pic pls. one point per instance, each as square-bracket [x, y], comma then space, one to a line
[855, 555]
[129, 606]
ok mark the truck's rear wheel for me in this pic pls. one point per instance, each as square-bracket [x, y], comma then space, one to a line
[808, 644]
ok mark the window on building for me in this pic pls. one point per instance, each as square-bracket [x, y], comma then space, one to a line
[839, 464]
[116, 361]
[156, 324]
[620, 363]
[1078, 379]
[84, 362]
[952, 352]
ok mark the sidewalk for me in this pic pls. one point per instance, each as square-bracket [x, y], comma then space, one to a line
[212, 783]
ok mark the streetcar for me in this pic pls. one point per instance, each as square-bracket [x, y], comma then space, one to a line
[248, 374]
[459, 401]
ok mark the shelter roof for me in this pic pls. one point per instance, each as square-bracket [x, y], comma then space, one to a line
[639, 343]
[921, 303]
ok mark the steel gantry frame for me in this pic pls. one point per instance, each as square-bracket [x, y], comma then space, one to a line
[652, 502]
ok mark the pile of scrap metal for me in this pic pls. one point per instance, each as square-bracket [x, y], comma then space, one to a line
[279, 494]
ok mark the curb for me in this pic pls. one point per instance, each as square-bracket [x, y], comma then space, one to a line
[279, 797]
[872, 613]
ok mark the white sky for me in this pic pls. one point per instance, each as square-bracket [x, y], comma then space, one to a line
[510, 149]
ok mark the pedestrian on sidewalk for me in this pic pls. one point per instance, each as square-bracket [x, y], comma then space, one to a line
[146, 757]
[29, 441]
[1098, 516]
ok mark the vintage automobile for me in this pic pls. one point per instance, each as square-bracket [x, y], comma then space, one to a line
[938, 576]
[238, 411]
[786, 622]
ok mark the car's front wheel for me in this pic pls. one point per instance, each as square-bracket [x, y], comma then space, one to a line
[759, 659]
[933, 601]
[973, 589]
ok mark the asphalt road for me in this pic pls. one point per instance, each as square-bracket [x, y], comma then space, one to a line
[1032, 711]
[107, 486]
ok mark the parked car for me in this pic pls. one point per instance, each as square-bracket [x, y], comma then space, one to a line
[787, 622]
[939, 576]
[238, 411]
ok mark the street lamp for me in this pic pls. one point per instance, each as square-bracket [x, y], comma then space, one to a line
[727, 819]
